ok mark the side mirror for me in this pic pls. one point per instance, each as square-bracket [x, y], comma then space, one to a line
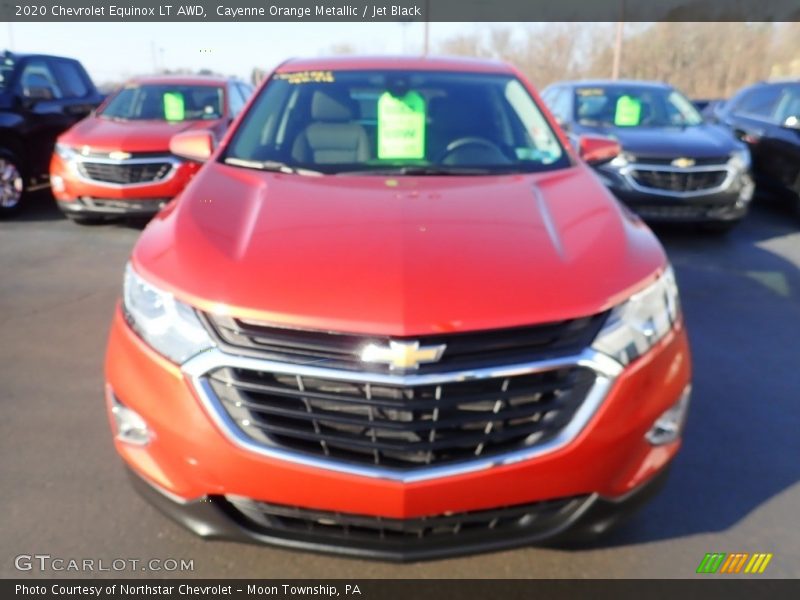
[595, 149]
[194, 145]
[792, 122]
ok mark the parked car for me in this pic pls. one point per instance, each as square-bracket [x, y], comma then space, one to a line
[379, 326]
[117, 161]
[674, 166]
[766, 116]
[40, 97]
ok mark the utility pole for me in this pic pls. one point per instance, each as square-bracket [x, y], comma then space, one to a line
[618, 42]
[427, 34]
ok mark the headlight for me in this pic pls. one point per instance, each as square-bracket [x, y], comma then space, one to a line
[637, 324]
[65, 152]
[168, 325]
[740, 159]
[622, 160]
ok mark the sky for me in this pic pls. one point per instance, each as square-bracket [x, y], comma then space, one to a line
[115, 51]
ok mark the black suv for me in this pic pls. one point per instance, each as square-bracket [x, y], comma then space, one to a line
[40, 97]
[766, 116]
[674, 166]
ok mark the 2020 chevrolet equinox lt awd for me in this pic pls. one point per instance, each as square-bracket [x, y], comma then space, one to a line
[396, 316]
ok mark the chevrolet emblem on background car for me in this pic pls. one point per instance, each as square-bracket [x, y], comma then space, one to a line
[683, 163]
[402, 355]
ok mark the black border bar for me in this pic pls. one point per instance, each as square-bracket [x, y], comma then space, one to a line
[733, 588]
[397, 10]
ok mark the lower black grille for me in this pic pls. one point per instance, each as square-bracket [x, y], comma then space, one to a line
[125, 173]
[342, 528]
[679, 181]
[396, 425]
[671, 212]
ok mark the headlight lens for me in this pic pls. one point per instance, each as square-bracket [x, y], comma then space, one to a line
[65, 152]
[168, 325]
[740, 159]
[637, 324]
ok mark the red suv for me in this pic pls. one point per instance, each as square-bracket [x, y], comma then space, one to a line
[117, 161]
[395, 316]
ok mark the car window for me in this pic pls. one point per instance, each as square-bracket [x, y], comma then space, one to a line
[245, 90]
[624, 105]
[560, 105]
[7, 66]
[38, 81]
[759, 102]
[165, 102]
[235, 99]
[338, 121]
[788, 104]
[71, 79]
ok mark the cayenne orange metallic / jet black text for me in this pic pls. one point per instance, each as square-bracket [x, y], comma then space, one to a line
[396, 316]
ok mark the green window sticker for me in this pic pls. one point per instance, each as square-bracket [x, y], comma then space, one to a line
[629, 111]
[174, 108]
[401, 126]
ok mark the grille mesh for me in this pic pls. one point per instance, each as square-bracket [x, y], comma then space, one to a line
[122, 174]
[400, 426]
[679, 181]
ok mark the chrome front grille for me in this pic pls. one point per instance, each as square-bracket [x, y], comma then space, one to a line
[679, 181]
[400, 426]
[125, 174]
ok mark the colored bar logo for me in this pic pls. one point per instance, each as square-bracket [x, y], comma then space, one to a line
[736, 562]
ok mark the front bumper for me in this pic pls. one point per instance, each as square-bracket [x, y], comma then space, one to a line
[728, 202]
[78, 195]
[556, 522]
[190, 459]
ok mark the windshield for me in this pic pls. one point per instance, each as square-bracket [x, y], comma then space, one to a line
[165, 102]
[633, 106]
[406, 122]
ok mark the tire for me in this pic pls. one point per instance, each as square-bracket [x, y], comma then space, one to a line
[12, 184]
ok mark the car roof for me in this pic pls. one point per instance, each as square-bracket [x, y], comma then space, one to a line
[423, 63]
[180, 80]
[20, 55]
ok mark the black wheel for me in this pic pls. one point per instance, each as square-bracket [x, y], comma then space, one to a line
[86, 219]
[12, 184]
[719, 227]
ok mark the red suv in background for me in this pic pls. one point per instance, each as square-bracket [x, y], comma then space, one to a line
[117, 160]
[396, 316]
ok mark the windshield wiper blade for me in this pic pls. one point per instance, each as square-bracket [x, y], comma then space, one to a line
[420, 170]
[269, 165]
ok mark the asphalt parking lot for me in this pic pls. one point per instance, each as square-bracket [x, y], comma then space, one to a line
[734, 488]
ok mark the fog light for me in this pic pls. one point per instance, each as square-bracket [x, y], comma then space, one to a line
[57, 183]
[131, 427]
[669, 425]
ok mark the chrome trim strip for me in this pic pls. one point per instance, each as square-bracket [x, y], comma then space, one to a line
[606, 370]
[168, 158]
[628, 169]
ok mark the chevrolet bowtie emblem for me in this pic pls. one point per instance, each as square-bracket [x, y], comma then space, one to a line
[402, 355]
[119, 155]
[683, 163]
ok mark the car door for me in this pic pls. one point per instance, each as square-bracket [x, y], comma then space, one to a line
[750, 116]
[782, 141]
[40, 98]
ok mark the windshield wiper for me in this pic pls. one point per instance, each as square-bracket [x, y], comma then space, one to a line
[269, 165]
[420, 170]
